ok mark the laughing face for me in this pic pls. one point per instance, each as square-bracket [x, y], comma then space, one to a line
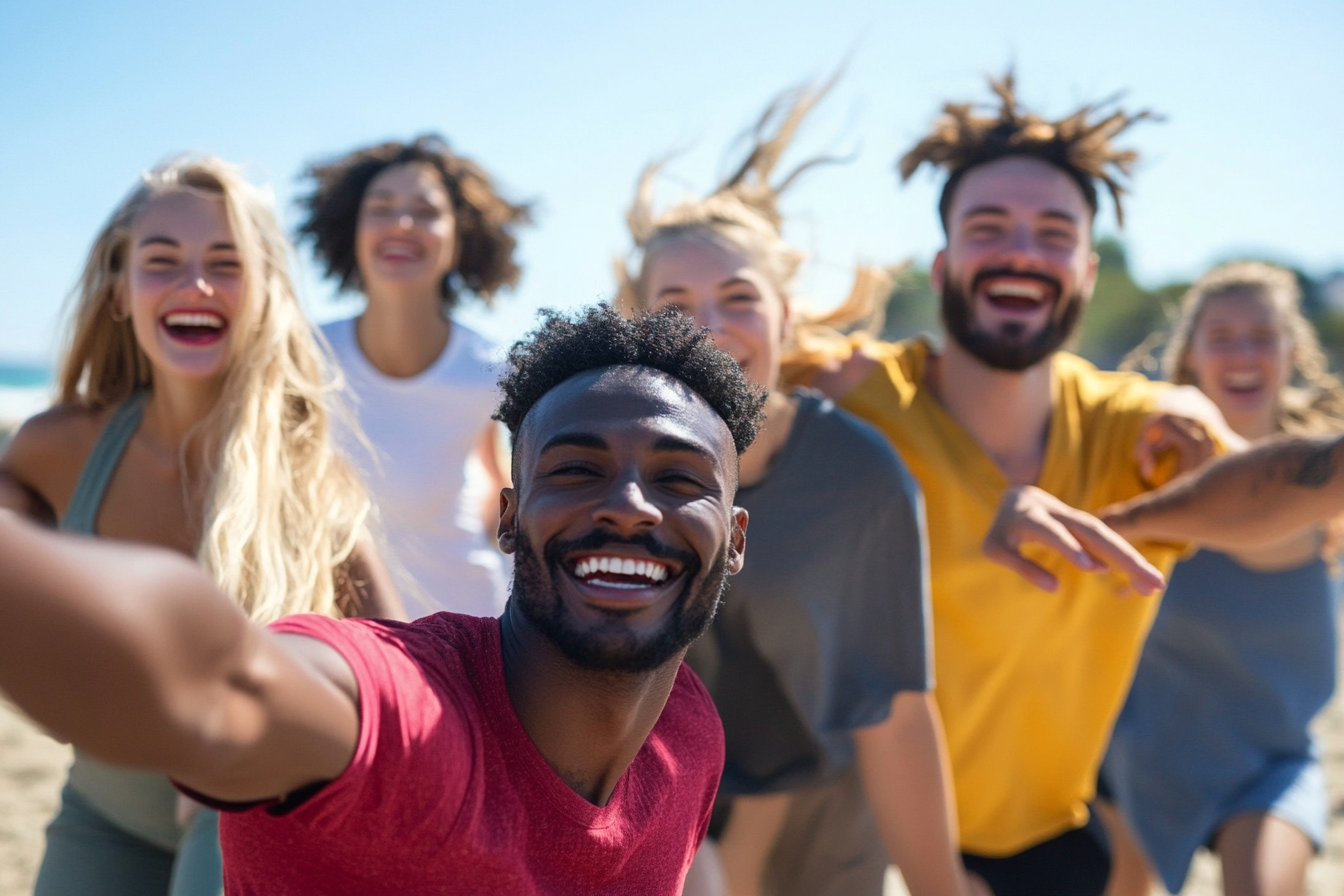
[1241, 356]
[1018, 268]
[184, 285]
[407, 235]
[622, 523]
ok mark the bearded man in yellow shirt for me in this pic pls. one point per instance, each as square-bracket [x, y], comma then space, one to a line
[1028, 682]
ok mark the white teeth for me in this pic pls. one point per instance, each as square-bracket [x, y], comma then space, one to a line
[193, 319]
[648, 569]
[1034, 291]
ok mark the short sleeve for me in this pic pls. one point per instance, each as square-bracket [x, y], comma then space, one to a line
[412, 727]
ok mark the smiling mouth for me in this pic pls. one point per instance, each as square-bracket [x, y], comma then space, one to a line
[1017, 292]
[622, 573]
[1243, 383]
[195, 327]
[399, 251]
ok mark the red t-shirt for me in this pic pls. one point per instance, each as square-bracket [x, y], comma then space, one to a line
[446, 793]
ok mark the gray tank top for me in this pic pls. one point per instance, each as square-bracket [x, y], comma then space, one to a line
[141, 803]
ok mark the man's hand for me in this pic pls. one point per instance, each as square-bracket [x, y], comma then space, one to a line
[1028, 515]
[1187, 441]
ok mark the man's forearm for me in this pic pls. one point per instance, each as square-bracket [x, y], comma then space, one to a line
[103, 642]
[1243, 500]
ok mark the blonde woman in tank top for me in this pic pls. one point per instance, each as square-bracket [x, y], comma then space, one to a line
[194, 413]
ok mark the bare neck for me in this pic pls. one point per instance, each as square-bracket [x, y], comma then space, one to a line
[587, 725]
[401, 335]
[1006, 413]
[175, 408]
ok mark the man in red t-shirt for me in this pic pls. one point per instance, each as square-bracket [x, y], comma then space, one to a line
[559, 749]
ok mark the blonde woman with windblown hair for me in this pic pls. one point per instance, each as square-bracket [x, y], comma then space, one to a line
[1214, 745]
[194, 413]
[818, 660]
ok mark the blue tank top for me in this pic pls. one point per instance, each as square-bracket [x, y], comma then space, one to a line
[141, 803]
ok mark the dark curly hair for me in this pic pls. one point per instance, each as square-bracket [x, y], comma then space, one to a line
[1077, 144]
[484, 221]
[563, 347]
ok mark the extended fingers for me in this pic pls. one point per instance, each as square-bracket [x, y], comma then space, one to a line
[1105, 544]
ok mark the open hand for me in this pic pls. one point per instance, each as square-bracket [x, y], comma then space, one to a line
[1028, 515]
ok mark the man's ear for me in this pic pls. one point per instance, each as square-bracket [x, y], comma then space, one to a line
[507, 534]
[938, 272]
[737, 541]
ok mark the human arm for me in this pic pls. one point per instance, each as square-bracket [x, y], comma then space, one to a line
[905, 772]
[134, 655]
[1186, 427]
[489, 453]
[364, 586]
[1243, 500]
[1030, 516]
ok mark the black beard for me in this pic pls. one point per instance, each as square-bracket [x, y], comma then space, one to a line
[611, 647]
[1008, 349]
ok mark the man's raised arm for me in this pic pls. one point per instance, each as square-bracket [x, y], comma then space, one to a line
[1242, 500]
[133, 655]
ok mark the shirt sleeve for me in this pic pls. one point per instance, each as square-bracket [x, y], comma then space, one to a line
[411, 728]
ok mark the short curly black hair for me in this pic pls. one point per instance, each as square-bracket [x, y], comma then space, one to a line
[485, 221]
[566, 346]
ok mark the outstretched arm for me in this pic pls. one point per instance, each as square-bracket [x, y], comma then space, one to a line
[1243, 500]
[134, 655]
[903, 763]
[1029, 515]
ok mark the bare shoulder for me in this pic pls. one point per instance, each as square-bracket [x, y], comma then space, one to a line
[47, 454]
[838, 377]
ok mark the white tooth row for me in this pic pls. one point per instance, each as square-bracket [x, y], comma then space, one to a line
[622, 566]
[193, 319]
[1024, 290]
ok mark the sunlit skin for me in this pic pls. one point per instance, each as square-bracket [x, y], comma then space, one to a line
[183, 287]
[406, 238]
[629, 453]
[720, 287]
[1028, 221]
[1241, 356]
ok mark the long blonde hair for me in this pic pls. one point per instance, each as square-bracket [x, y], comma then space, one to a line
[283, 508]
[1313, 400]
[743, 211]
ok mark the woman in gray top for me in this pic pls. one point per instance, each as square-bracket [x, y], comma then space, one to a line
[818, 661]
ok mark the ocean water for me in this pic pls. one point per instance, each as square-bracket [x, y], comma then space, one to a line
[25, 389]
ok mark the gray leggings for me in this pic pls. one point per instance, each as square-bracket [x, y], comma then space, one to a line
[87, 855]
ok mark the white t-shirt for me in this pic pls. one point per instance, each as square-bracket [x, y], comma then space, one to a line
[425, 479]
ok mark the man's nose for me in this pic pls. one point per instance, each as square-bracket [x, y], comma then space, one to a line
[627, 507]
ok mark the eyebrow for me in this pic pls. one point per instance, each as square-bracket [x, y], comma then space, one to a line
[1056, 214]
[169, 241]
[596, 442]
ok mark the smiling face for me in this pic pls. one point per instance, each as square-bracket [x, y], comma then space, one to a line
[1241, 356]
[406, 238]
[622, 523]
[184, 285]
[720, 287]
[1018, 268]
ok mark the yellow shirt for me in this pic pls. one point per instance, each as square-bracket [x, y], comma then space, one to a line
[1028, 682]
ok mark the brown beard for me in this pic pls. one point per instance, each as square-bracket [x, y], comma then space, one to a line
[1007, 349]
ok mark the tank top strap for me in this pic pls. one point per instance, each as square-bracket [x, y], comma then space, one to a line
[102, 463]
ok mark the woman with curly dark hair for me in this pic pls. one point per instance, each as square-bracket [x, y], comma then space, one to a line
[411, 226]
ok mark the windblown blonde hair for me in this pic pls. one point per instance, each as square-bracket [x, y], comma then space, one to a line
[283, 509]
[743, 211]
[1313, 401]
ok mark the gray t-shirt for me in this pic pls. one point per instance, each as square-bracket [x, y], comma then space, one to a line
[829, 617]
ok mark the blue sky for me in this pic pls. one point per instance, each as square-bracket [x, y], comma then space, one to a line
[565, 102]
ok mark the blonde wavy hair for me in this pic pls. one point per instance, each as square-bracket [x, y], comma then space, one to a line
[743, 212]
[1313, 401]
[283, 509]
